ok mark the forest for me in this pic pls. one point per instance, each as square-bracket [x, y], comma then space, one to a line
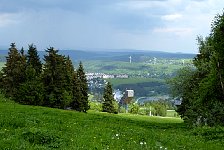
[55, 83]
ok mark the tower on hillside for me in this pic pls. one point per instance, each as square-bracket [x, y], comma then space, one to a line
[130, 59]
[126, 99]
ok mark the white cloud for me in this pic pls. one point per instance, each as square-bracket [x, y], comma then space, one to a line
[172, 17]
[7, 19]
[176, 31]
[135, 5]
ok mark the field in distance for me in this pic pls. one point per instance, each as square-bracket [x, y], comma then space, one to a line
[30, 127]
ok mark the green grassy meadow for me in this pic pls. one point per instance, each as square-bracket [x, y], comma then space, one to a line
[133, 69]
[31, 127]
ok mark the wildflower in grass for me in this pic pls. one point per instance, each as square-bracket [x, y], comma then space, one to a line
[117, 134]
[145, 143]
[141, 143]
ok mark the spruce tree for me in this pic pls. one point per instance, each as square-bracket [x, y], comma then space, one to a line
[55, 79]
[31, 91]
[33, 59]
[108, 99]
[69, 73]
[77, 94]
[80, 90]
[13, 74]
[50, 78]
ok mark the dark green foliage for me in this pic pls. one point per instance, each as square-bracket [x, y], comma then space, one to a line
[77, 96]
[108, 99]
[14, 71]
[55, 80]
[33, 59]
[202, 90]
[56, 85]
[80, 90]
[31, 92]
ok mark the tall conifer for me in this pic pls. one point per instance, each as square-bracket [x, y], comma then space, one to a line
[80, 90]
[108, 99]
[14, 71]
[56, 80]
[33, 59]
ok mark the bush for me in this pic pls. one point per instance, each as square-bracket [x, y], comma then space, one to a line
[134, 108]
[96, 106]
[121, 109]
[160, 110]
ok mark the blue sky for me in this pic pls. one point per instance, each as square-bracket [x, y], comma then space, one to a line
[164, 25]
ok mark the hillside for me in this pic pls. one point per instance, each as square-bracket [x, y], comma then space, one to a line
[146, 65]
[30, 127]
[114, 55]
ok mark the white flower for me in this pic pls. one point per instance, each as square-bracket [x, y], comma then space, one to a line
[117, 135]
[141, 143]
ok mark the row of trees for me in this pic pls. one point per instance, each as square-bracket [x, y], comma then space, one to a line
[53, 84]
[202, 88]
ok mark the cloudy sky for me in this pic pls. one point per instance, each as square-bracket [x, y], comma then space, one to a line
[164, 25]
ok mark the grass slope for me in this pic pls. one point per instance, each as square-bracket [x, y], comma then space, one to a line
[29, 127]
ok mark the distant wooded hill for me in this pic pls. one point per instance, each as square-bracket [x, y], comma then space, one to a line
[113, 55]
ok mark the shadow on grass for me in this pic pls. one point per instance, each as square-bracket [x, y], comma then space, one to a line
[210, 134]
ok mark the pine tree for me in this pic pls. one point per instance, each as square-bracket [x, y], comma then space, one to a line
[69, 73]
[14, 71]
[56, 80]
[84, 87]
[80, 90]
[77, 94]
[33, 59]
[31, 90]
[108, 99]
[50, 78]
